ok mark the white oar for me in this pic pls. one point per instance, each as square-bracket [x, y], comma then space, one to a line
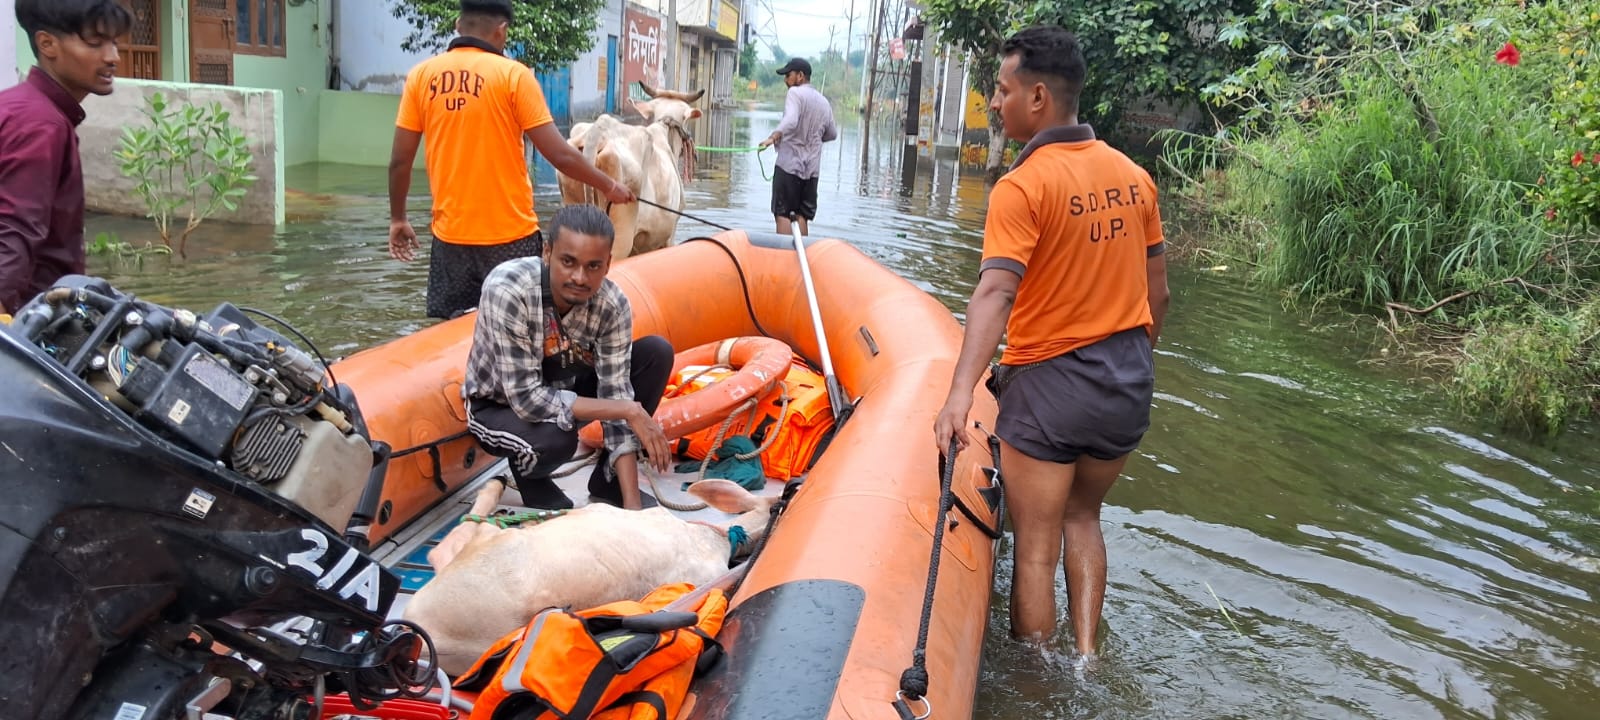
[836, 396]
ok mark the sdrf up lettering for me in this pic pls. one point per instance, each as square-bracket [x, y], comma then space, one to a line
[456, 86]
[1097, 202]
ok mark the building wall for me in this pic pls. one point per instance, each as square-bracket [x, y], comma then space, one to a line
[12, 44]
[357, 128]
[368, 50]
[589, 72]
[301, 77]
[259, 113]
[370, 59]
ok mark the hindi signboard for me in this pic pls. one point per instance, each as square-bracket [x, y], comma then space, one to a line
[642, 49]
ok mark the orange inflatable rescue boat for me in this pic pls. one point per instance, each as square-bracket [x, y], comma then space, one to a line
[827, 618]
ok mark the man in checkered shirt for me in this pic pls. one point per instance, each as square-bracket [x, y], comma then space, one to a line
[553, 349]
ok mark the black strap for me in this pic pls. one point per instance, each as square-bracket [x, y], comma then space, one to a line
[432, 448]
[648, 697]
[478, 678]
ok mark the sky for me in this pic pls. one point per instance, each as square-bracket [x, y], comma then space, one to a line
[802, 27]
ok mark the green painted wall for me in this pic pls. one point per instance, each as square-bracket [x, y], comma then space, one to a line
[24, 53]
[174, 41]
[358, 128]
[301, 77]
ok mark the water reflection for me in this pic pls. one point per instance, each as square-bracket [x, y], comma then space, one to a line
[1300, 536]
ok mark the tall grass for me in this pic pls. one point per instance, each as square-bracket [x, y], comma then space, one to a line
[1414, 190]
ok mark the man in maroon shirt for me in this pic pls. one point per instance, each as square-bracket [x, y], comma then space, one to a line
[41, 178]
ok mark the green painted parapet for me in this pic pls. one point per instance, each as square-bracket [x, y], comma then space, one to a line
[357, 128]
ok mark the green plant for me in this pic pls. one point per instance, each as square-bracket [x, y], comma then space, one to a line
[1560, 42]
[542, 34]
[1533, 375]
[108, 244]
[187, 159]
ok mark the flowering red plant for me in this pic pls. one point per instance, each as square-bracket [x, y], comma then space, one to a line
[1508, 55]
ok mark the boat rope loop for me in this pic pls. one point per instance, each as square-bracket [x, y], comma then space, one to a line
[914, 681]
[511, 520]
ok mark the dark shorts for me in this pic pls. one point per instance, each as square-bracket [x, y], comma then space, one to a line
[1092, 401]
[791, 193]
[456, 272]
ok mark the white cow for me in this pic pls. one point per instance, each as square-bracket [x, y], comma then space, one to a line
[490, 581]
[653, 161]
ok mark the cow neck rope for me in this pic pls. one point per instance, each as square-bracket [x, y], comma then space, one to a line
[914, 681]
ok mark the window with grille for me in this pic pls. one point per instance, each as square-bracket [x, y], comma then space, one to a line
[141, 47]
[260, 27]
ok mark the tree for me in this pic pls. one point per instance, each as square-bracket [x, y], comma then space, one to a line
[778, 55]
[543, 34]
[979, 27]
[748, 60]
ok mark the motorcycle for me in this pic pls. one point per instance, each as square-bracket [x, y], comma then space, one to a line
[168, 544]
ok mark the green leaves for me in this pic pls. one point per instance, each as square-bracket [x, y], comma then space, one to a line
[186, 156]
[543, 34]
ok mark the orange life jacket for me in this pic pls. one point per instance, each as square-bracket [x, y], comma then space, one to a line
[800, 431]
[620, 660]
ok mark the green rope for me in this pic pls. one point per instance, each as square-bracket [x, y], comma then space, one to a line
[533, 517]
[755, 149]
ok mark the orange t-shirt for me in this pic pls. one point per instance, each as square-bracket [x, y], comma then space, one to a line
[472, 108]
[1078, 221]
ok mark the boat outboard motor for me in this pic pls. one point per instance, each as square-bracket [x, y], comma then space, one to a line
[171, 535]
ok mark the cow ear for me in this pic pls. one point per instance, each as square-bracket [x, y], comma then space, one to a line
[694, 113]
[646, 108]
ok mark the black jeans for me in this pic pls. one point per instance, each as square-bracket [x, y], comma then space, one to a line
[537, 449]
[456, 272]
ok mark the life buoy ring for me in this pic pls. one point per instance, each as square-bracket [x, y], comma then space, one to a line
[757, 364]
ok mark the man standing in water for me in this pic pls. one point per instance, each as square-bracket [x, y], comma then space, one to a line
[807, 123]
[41, 175]
[475, 106]
[1074, 272]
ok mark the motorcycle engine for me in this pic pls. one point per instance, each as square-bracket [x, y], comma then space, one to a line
[175, 543]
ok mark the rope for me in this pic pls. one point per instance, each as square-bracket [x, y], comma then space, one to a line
[752, 148]
[749, 405]
[690, 380]
[914, 681]
[681, 213]
[669, 504]
[763, 163]
[527, 517]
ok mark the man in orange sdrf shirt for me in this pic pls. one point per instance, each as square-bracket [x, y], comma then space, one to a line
[474, 106]
[1074, 272]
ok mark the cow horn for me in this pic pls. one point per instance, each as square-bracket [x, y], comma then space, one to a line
[673, 94]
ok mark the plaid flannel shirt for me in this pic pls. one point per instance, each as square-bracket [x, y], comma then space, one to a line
[505, 364]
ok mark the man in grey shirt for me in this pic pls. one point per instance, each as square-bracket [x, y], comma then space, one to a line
[807, 123]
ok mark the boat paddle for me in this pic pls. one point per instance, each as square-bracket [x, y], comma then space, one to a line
[836, 396]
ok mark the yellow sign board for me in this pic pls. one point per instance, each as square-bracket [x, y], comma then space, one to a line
[977, 111]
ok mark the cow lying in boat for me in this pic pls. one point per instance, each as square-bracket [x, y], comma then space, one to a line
[654, 161]
[490, 581]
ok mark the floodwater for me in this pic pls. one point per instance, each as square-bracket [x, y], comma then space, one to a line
[1301, 536]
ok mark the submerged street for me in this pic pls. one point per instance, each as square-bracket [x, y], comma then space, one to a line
[1300, 535]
